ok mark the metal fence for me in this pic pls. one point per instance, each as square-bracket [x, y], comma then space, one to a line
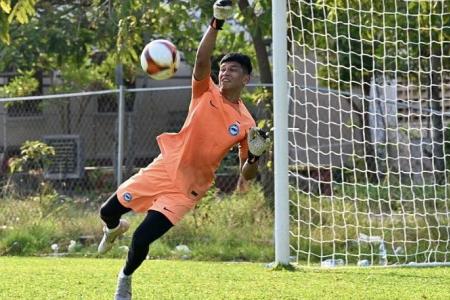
[92, 131]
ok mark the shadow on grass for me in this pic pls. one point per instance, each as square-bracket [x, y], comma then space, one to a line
[274, 266]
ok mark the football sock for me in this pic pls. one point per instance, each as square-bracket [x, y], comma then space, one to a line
[111, 211]
[152, 227]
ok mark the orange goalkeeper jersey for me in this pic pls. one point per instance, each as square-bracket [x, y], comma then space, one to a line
[213, 126]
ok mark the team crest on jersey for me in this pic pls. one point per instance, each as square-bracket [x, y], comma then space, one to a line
[233, 129]
[127, 197]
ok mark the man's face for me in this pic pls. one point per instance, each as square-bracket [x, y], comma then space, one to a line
[232, 76]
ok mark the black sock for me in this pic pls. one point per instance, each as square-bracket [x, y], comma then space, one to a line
[153, 227]
[111, 211]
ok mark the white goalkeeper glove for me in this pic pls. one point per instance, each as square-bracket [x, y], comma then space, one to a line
[258, 143]
[223, 9]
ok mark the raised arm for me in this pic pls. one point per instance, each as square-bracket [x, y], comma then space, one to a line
[202, 66]
[222, 11]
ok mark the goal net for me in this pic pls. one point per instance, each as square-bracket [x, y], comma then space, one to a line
[369, 99]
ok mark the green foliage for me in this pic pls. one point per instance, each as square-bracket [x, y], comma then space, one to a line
[127, 37]
[70, 34]
[357, 49]
[235, 227]
[21, 11]
[31, 225]
[18, 243]
[397, 213]
[28, 240]
[4, 27]
[67, 35]
[23, 85]
[87, 76]
[34, 155]
[261, 98]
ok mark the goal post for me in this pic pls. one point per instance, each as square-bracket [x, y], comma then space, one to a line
[280, 105]
[362, 139]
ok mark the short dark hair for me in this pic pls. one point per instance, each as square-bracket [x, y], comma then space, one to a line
[240, 58]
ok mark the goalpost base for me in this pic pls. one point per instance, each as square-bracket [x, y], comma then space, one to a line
[276, 266]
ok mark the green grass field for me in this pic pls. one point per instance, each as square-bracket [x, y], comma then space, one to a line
[86, 278]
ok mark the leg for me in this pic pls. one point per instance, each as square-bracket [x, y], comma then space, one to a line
[110, 213]
[153, 227]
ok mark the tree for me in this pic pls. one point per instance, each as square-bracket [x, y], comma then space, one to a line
[20, 12]
[95, 36]
[72, 33]
[379, 41]
[183, 22]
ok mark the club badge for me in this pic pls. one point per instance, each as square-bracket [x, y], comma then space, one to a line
[127, 197]
[233, 129]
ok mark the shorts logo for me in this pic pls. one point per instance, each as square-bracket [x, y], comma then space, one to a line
[233, 129]
[212, 104]
[165, 208]
[128, 197]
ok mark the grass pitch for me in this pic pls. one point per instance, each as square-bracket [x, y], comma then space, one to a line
[86, 278]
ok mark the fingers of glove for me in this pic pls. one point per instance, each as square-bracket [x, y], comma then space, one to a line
[258, 141]
[223, 3]
[257, 147]
[255, 131]
[263, 133]
[223, 9]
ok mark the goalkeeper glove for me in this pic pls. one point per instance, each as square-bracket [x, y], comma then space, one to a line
[258, 142]
[223, 9]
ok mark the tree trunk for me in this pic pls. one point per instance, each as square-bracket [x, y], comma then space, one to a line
[265, 72]
[436, 121]
[369, 149]
[262, 57]
[39, 75]
[130, 147]
[130, 128]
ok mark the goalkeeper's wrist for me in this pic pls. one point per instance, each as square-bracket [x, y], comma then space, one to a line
[251, 159]
[216, 23]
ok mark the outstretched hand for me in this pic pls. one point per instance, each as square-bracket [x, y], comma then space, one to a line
[258, 141]
[223, 9]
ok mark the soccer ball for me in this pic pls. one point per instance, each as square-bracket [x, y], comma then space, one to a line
[160, 59]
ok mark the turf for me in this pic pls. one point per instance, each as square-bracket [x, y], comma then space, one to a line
[86, 278]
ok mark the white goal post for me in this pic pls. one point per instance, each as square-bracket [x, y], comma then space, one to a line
[362, 138]
[280, 106]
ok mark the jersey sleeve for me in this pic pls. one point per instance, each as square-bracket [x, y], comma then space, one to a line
[199, 87]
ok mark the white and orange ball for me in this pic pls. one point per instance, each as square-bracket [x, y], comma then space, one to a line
[160, 59]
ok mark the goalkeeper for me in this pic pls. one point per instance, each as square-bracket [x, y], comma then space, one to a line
[179, 177]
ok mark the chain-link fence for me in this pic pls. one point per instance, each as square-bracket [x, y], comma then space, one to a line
[90, 135]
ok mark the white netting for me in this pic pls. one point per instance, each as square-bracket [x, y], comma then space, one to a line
[368, 142]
